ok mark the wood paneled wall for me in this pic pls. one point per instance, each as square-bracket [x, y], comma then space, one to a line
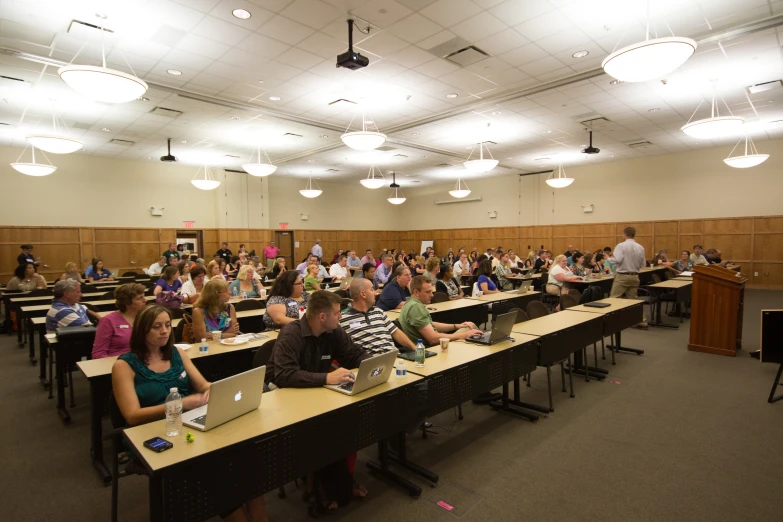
[754, 242]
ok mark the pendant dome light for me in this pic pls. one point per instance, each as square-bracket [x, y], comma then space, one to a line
[363, 139]
[54, 143]
[396, 198]
[650, 59]
[481, 165]
[100, 83]
[205, 182]
[716, 126]
[459, 191]
[260, 169]
[34, 168]
[747, 160]
[373, 182]
[558, 179]
[309, 191]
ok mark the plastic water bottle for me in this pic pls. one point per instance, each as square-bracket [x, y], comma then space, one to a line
[203, 347]
[173, 413]
[400, 369]
[244, 295]
[234, 292]
[420, 356]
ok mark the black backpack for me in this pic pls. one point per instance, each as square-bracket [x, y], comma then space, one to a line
[591, 293]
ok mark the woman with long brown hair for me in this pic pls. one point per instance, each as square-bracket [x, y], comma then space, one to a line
[213, 312]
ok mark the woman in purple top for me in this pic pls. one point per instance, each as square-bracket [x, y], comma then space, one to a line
[169, 281]
[114, 329]
[484, 282]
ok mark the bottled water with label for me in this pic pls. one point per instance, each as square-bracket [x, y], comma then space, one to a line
[420, 355]
[173, 413]
[400, 369]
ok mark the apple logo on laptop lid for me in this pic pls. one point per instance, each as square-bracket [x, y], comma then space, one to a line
[238, 396]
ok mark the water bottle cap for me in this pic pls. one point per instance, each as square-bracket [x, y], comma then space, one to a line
[419, 340]
[203, 340]
[173, 390]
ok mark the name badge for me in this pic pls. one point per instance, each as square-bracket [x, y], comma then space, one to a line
[184, 375]
[354, 324]
[326, 357]
[123, 326]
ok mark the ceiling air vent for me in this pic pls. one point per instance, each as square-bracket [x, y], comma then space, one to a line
[332, 170]
[459, 51]
[640, 144]
[596, 123]
[127, 143]
[766, 86]
[341, 101]
[166, 113]
[234, 170]
[292, 135]
[445, 165]
[231, 156]
[400, 156]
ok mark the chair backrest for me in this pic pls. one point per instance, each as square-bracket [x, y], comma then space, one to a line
[342, 293]
[129, 274]
[263, 354]
[440, 297]
[346, 302]
[140, 276]
[41, 292]
[536, 309]
[75, 342]
[591, 293]
[656, 278]
[248, 304]
[576, 294]
[176, 313]
[108, 295]
[567, 301]
[150, 291]
[521, 315]
[86, 289]
[117, 420]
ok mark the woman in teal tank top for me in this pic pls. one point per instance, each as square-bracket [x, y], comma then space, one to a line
[143, 377]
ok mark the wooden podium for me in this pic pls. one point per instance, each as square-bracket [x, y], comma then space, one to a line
[716, 310]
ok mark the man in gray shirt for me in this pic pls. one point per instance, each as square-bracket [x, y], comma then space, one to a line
[628, 260]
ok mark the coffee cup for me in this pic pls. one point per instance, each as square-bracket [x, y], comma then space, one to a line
[216, 335]
[444, 343]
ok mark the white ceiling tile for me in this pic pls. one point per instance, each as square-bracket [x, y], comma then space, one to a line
[258, 15]
[313, 13]
[514, 12]
[279, 70]
[274, 5]
[411, 57]
[522, 55]
[437, 68]
[487, 67]
[220, 30]
[300, 59]
[323, 45]
[543, 26]
[138, 63]
[450, 12]
[384, 69]
[414, 28]
[211, 81]
[178, 15]
[201, 46]
[410, 79]
[486, 4]
[150, 50]
[383, 44]
[563, 40]
[263, 46]
[542, 66]
[169, 80]
[382, 13]
[479, 26]
[416, 4]
[204, 6]
[436, 39]
[241, 58]
[502, 42]
[509, 76]
[228, 71]
[182, 58]
[285, 30]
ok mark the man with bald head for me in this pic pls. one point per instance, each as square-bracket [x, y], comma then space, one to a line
[367, 325]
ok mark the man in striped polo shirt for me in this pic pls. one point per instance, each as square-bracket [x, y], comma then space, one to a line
[66, 310]
[367, 325]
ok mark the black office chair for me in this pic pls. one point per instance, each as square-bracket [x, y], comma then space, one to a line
[575, 293]
[108, 295]
[550, 300]
[73, 343]
[342, 293]
[139, 277]
[263, 354]
[150, 290]
[115, 435]
[593, 293]
[176, 313]
[439, 297]
[87, 289]
[346, 302]
[248, 304]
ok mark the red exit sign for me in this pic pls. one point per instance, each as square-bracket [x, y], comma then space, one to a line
[189, 224]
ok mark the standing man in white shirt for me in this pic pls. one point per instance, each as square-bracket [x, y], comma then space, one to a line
[317, 251]
[628, 260]
[461, 267]
[338, 271]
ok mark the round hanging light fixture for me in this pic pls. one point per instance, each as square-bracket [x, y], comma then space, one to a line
[481, 165]
[207, 182]
[309, 191]
[34, 168]
[746, 160]
[648, 60]
[100, 83]
[371, 181]
[396, 198]
[712, 128]
[461, 190]
[558, 179]
[260, 169]
[54, 143]
[363, 139]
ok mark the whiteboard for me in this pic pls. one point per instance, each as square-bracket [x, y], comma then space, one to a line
[425, 244]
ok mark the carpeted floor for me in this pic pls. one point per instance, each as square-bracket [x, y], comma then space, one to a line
[679, 436]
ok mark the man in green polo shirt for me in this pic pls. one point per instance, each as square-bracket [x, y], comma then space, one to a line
[171, 252]
[416, 322]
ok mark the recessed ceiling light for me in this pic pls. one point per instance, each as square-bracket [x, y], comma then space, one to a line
[310, 161]
[368, 121]
[233, 117]
[468, 148]
[509, 157]
[654, 109]
[547, 132]
[274, 98]
[324, 136]
[495, 113]
[452, 95]
[242, 14]
[615, 82]
[424, 156]
[143, 98]
[414, 133]
[174, 72]
[184, 141]
[106, 129]
[580, 54]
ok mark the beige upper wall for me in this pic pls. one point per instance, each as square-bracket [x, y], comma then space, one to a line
[95, 191]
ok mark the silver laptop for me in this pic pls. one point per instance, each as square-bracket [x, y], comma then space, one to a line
[525, 287]
[228, 399]
[372, 372]
[345, 283]
[503, 325]
[589, 275]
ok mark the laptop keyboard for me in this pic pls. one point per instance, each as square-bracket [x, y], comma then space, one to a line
[347, 386]
[200, 420]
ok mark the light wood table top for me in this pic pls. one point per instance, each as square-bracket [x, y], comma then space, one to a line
[278, 409]
[672, 283]
[39, 297]
[615, 302]
[35, 308]
[442, 307]
[502, 296]
[460, 352]
[551, 323]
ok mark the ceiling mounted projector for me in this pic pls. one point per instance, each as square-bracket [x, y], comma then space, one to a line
[168, 157]
[591, 149]
[350, 59]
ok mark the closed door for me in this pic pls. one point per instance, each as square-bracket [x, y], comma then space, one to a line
[285, 242]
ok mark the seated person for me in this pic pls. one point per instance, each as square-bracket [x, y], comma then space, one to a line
[169, 281]
[420, 267]
[461, 267]
[541, 262]
[578, 264]
[191, 290]
[213, 312]
[245, 283]
[433, 267]
[157, 267]
[213, 271]
[311, 283]
[71, 272]
[448, 284]
[286, 299]
[368, 272]
[367, 325]
[558, 276]
[484, 282]
[322, 273]
[302, 267]
[184, 267]
[684, 264]
[96, 272]
[354, 262]
[279, 267]
[302, 358]
[383, 271]
[114, 329]
[697, 258]
[416, 322]
[713, 257]
[502, 270]
[338, 271]
[396, 292]
[26, 279]
[232, 268]
[66, 310]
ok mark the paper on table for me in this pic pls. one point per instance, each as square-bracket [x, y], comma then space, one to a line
[686, 273]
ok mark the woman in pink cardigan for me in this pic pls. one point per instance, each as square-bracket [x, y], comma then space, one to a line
[114, 329]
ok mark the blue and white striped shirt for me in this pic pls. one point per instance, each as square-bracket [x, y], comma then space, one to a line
[61, 315]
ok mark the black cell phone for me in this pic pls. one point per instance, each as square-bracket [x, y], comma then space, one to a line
[158, 445]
